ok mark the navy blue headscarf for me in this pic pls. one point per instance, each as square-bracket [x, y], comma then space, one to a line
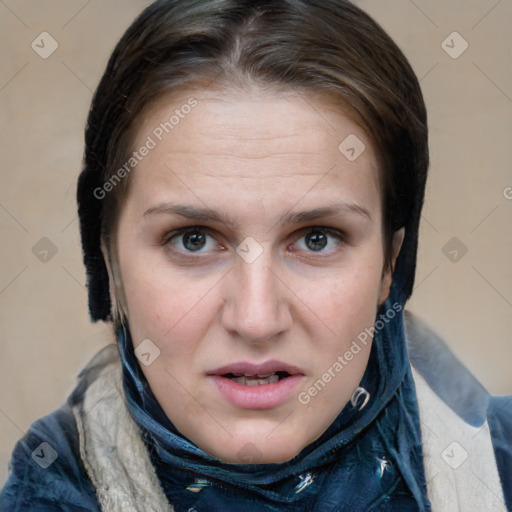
[368, 459]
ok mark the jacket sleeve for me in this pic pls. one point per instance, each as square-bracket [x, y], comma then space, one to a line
[46, 473]
[500, 423]
[462, 392]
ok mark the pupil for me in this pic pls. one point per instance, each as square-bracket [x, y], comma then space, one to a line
[316, 240]
[194, 241]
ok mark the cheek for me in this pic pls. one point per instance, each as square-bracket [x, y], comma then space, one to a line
[348, 303]
[347, 306]
[161, 303]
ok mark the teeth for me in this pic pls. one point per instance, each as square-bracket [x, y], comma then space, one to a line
[262, 376]
[256, 380]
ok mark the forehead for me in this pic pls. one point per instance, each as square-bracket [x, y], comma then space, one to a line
[267, 140]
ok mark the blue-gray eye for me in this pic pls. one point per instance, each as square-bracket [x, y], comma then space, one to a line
[319, 240]
[193, 240]
[316, 240]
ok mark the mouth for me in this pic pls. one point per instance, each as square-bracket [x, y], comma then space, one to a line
[256, 386]
[256, 380]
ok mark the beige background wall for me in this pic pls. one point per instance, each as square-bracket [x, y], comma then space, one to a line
[46, 334]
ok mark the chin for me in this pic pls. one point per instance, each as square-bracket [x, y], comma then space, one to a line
[257, 449]
[251, 453]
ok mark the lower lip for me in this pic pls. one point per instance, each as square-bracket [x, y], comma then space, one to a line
[264, 396]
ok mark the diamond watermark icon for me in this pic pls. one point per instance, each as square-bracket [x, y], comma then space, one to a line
[249, 250]
[45, 455]
[44, 45]
[147, 352]
[352, 147]
[454, 249]
[454, 45]
[454, 455]
[44, 250]
[249, 454]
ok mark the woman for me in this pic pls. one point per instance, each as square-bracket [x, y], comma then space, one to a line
[249, 207]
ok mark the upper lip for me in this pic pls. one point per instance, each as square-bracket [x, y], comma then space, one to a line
[264, 368]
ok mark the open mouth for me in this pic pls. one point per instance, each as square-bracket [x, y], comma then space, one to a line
[256, 380]
[257, 386]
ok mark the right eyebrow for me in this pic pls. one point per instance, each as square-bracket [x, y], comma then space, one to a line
[191, 212]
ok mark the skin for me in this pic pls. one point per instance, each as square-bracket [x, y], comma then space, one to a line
[254, 157]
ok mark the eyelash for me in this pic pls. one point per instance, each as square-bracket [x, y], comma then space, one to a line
[339, 236]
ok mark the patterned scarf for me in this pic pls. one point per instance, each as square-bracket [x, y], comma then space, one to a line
[369, 459]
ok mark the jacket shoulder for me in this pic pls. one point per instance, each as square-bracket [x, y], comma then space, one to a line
[46, 473]
[459, 389]
[500, 424]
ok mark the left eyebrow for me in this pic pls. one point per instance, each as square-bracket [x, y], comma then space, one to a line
[326, 211]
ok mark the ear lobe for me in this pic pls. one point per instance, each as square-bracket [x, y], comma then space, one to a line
[398, 240]
[106, 257]
[387, 276]
[112, 284]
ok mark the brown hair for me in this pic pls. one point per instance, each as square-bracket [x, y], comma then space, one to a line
[321, 46]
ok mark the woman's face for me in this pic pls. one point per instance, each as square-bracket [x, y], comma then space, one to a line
[251, 253]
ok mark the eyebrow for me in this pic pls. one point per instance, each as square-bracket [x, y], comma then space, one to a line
[191, 212]
[326, 211]
[208, 214]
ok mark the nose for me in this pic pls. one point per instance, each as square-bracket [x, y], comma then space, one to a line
[256, 307]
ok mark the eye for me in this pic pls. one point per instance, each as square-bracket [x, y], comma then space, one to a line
[192, 240]
[319, 240]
